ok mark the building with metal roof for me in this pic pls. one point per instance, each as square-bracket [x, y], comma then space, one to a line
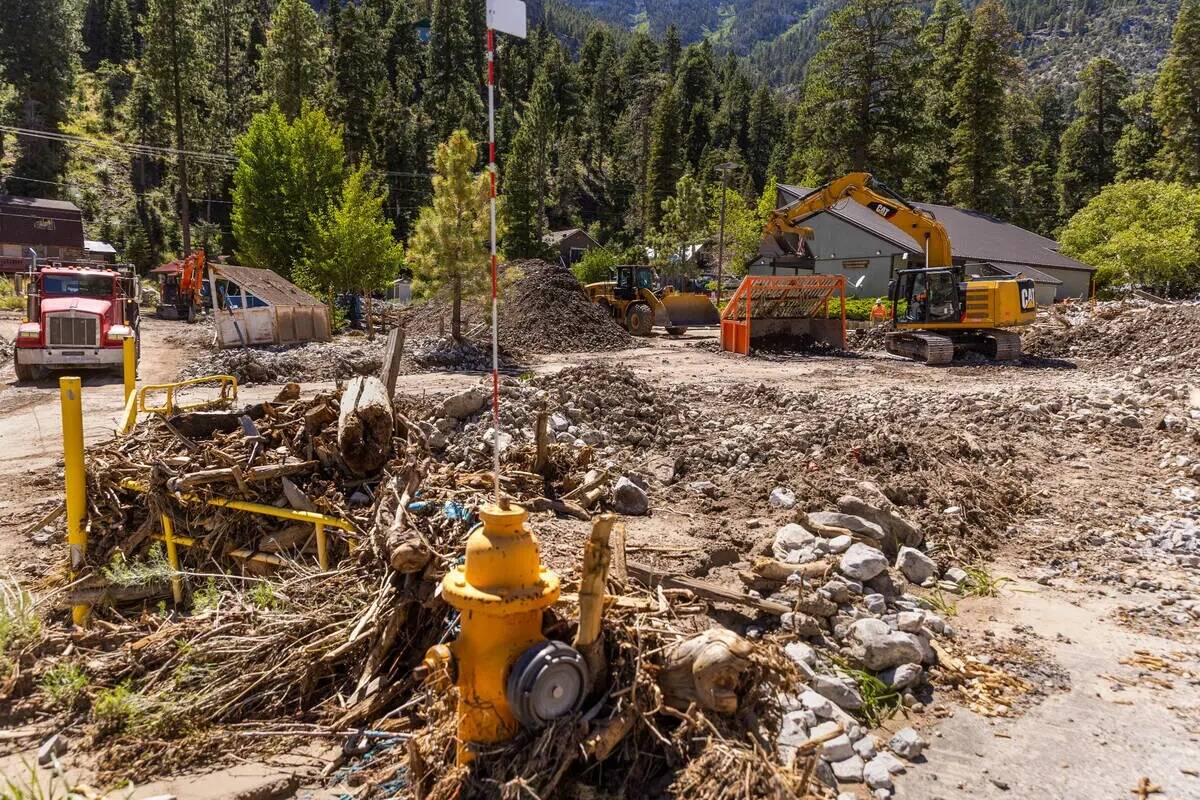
[852, 240]
[51, 228]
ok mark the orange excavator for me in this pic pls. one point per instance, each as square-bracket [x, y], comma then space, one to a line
[191, 286]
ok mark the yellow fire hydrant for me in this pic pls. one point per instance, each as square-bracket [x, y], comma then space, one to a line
[507, 672]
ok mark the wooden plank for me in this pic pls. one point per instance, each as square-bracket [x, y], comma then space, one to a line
[652, 577]
[391, 360]
[206, 476]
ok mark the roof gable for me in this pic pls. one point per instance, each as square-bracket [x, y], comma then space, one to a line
[974, 236]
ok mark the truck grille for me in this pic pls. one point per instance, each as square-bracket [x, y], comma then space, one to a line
[73, 331]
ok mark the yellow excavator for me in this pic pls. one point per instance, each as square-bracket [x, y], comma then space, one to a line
[638, 302]
[940, 310]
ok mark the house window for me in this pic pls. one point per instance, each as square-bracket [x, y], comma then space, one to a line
[861, 263]
[575, 254]
[43, 224]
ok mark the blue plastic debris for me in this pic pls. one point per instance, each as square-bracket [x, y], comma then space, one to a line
[417, 506]
[456, 510]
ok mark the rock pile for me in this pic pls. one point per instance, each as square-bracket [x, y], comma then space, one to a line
[1116, 334]
[344, 357]
[861, 613]
[544, 310]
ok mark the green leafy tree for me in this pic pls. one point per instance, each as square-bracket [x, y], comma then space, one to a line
[352, 246]
[666, 160]
[743, 227]
[1177, 97]
[988, 68]
[448, 251]
[452, 94]
[1137, 153]
[38, 45]
[288, 175]
[1087, 162]
[1141, 232]
[597, 264]
[859, 94]
[173, 59]
[685, 221]
[292, 63]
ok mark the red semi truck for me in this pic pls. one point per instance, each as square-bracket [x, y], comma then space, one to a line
[77, 318]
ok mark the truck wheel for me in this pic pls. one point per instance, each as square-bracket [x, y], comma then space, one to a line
[640, 319]
[26, 373]
[675, 330]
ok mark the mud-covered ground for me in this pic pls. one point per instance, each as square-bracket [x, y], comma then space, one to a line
[1070, 479]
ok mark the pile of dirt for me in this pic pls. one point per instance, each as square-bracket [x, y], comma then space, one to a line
[6, 349]
[1122, 332]
[544, 310]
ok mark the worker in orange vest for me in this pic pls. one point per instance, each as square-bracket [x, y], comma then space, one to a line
[878, 313]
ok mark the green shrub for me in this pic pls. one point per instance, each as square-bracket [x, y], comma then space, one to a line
[595, 266]
[118, 709]
[859, 308]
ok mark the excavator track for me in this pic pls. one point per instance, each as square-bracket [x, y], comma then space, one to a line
[932, 348]
[1002, 345]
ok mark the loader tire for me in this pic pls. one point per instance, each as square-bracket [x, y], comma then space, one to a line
[676, 330]
[639, 319]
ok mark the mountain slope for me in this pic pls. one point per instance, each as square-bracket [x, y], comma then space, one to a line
[779, 36]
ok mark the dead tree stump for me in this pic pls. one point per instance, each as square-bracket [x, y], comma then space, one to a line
[365, 425]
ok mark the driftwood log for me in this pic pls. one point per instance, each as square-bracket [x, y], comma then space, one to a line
[706, 669]
[597, 555]
[365, 425]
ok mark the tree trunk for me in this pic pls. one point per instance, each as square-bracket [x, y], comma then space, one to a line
[456, 309]
[365, 425]
[177, 90]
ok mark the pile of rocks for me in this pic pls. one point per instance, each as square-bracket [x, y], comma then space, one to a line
[544, 310]
[1119, 333]
[344, 357]
[862, 614]
[446, 352]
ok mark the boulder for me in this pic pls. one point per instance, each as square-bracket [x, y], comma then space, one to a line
[849, 770]
[879, 647]
[464, 404]
[915, 565]
[876, 774]
[816, 703]
[789, 538]
[837, 691]
[801, 653]
[835, 519]
[629, 499]
[874, 506]
[862, 562]
[907, 744]
[782, 497]
[837, 749]
[904, 676]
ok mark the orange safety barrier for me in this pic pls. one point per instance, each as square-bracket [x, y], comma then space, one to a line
[779, 297]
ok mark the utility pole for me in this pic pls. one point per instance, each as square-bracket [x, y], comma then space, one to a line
[724, 169]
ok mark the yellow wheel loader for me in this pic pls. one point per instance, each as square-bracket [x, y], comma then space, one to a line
[637, 301]
[942, 311]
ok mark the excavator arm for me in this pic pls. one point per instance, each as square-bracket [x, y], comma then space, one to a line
[861, 188]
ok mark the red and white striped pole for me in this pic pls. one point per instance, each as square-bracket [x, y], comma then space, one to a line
[491, 88]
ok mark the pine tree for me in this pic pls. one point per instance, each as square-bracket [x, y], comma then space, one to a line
[452, 86]
[762, 131]
[1087, 159]
[988, 66]
[1177, 97]
[665, 166]
[731, 123]
[672, 48]
[359, 76]
[38, 46]
[696, 88]
[173, 59]
[640, 84]
[292, 64]
[541, 117]
[118, 42]
[95, 32]
[945, 37]
[521, 205]
[859, 94]
[448, 250]
[603, 102]
[684, 221]
[1141, 142]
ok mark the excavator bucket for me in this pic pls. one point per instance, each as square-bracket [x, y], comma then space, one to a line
[689, 309]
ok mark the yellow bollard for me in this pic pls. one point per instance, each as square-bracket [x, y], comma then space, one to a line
[129, 358]
[70, 395]
[172, 557]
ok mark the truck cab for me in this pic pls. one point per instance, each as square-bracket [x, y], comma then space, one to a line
[75, 319]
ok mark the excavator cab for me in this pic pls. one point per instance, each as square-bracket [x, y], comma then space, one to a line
[928, 295]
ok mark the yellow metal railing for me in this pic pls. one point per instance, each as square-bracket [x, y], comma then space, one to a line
[135, 402]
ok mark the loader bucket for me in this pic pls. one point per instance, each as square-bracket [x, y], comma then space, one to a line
[688, 310]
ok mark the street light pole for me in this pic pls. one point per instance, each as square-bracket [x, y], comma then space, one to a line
[724, 169]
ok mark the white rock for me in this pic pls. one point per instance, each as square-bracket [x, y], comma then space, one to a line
[894, 765]
[877, 775]
[490, 435]
[862, 562]
[801, 653]
[836, 519]
[910, 621]
[848, 770]
[837, 691]
[790, 538]
[817, 703]
[875, 603]
[464, 404]
[902, 677]
[782, 497]
[838, 544]
[915, 565]
[837, 749]
[866, 747]
[879, 647]
[559, 422]
[907, 743]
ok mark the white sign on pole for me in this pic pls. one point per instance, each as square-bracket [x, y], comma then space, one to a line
[507, 16]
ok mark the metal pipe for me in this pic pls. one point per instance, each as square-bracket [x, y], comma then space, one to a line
[129, 361]
[311, 517]
[75, 480]
[172, 557]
